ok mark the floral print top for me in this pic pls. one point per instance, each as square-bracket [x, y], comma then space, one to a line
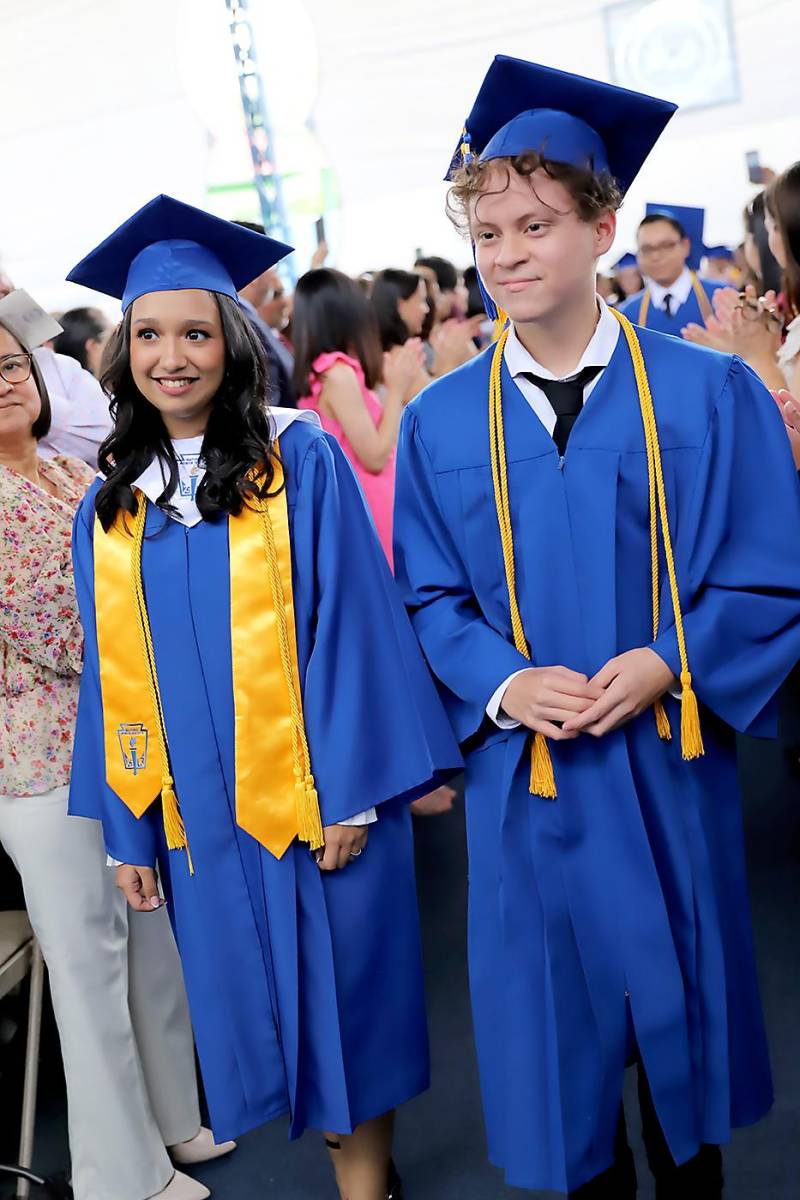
[41, 642]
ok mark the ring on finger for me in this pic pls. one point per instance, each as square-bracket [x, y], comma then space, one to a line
[356, 853]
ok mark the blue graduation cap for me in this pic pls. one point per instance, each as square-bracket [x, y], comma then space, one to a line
[691, 221]
[720, 252]
[627, 260]
[522, 106]
[170, 246]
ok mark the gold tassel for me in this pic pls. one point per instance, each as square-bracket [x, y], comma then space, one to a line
[662, 721]
[308, 815]
[691, 735]
[543, 781]
[174, 827]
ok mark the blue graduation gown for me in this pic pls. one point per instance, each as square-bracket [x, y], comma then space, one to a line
[687, 314]
[305, 987]
[620, 908]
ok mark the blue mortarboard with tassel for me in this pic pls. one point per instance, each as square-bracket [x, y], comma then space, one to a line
[627, 260]
[522, 107]
[691, 220]
[170, 246]
[723, 252]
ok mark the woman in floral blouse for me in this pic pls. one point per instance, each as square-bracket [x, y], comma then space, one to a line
[115, 977]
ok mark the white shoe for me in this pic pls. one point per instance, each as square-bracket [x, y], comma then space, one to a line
[182, 1187]
[200, 1149]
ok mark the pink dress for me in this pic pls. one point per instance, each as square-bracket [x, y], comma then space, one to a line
[378, 489]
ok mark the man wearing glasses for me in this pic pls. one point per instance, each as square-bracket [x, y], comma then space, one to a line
[669, 244]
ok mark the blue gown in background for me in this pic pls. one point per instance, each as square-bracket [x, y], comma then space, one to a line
[619, 910]
[687, 313]
[305, 987]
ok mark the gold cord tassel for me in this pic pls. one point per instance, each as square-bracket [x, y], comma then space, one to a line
[662, 721]
[543, 781]
[309, 820]
[691, 736]
[174, 828]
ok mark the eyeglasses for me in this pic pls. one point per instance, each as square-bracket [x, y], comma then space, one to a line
[660, 248]
[16, 368]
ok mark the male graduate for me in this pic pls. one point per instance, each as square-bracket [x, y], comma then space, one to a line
[669, 249]
[587, 543]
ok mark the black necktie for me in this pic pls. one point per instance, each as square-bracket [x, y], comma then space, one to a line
[668, 304]
[566, 400]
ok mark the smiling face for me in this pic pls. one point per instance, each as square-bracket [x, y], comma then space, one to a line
[177, 356]
[20, 402]
[536, 255]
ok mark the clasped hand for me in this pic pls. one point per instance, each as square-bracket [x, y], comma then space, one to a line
[562, 704]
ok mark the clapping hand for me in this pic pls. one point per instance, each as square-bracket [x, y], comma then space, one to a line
[790, 411]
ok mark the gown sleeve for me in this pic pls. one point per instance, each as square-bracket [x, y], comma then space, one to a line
[127, 839]
[376, 728]
[469, 658]
[738, 561]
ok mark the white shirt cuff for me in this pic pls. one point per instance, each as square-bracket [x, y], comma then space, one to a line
[493, 710]
[365, 818]
[112, 862]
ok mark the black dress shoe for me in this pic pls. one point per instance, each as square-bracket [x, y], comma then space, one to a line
[394, 1187]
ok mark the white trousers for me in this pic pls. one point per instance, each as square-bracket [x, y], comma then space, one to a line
[119, 1001]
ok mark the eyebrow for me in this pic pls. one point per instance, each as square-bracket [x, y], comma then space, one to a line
[537, 215]
[189, 322]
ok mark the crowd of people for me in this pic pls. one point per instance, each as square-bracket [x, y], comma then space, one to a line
[350, 534]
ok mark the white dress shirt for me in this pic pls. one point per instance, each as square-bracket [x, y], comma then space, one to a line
[680, 291]
[80, 420]
[191, 469]
[518, 360]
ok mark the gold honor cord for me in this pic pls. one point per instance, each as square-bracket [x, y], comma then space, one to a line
[699, 291]
[276, 797]
[542, 782]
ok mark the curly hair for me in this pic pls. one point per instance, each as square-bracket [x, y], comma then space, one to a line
[593, 192]
[238, 439]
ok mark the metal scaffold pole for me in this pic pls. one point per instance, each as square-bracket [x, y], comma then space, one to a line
[266, 176]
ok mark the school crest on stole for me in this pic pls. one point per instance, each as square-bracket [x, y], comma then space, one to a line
[133, 744]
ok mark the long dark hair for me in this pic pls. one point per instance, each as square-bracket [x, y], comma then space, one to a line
[41, 426]
[389, 287]
[238, 437]
[80, 325]
[783, 203]
[770, 275]
[332, 313]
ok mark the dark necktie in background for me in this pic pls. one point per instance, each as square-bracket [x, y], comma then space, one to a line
[668, 304]
[566, 400]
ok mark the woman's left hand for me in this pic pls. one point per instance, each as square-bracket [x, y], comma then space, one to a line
[343, 843]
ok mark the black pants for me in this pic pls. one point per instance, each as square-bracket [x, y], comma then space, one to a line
[698, 1179]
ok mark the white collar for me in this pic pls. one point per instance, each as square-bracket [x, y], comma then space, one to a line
[191, 469]
[680, 290]
[597, 354]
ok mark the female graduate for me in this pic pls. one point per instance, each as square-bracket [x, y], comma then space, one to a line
[254, 714]
[585, 524]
